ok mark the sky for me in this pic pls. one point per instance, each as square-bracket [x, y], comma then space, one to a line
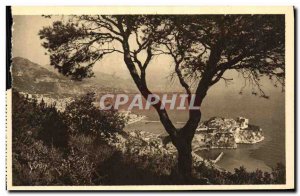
[27, 44]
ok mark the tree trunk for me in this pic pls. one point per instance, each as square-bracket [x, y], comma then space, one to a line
[183, 145]
[184, 149]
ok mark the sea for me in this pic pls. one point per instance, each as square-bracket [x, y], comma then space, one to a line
[268, 114]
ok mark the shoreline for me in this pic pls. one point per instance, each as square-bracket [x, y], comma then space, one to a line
[257, 156]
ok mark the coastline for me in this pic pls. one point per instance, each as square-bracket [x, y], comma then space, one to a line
[228, 161]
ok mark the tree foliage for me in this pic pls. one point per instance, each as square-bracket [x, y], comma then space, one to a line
[35, 120]
[45, 149]
[251, 44]
[82, 116]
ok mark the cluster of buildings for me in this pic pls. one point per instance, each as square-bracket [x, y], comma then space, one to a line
[226, 133]
[132, 117]
[60, 103]
[217, 124]
[146, 144]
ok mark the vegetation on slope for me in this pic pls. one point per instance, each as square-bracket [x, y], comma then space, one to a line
[74, 148]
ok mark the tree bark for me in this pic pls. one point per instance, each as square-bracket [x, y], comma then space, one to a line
[184, 149]
[183, 144]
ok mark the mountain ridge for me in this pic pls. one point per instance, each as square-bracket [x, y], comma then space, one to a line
[32, 78]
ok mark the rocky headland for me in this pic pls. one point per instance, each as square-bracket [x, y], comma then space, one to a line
[215, 133]
[226, 133]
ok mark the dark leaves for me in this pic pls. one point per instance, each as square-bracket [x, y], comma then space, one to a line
[199, 44]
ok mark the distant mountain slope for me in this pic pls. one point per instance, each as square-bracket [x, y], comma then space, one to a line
[33, 78]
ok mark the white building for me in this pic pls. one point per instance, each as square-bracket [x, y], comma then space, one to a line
[243, 122]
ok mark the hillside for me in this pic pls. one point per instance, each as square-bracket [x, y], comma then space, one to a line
[32, 78]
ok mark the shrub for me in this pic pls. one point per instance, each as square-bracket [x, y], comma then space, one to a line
[82, 116]
[242, 176]
[26, 117]
[37, 121]
[278, 174]
[36, 164]
[53, 130]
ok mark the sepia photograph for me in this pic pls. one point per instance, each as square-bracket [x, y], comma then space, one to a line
[151, 98]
